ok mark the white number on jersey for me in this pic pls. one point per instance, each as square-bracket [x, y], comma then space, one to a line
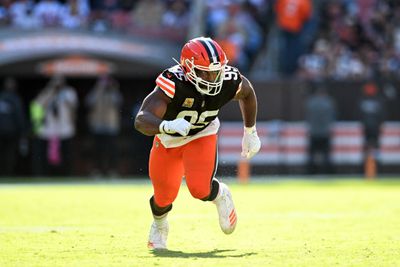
[231, 73]
[196, 120]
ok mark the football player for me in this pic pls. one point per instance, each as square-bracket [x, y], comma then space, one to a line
[181, 112]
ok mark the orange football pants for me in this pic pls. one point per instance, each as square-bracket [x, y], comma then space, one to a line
[196, 161]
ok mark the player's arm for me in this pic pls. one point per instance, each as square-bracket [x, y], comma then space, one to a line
[150, 114]
[248, 105]
[149, 118]
[247, 101]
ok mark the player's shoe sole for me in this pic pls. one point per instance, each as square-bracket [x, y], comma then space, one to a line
[226, 209]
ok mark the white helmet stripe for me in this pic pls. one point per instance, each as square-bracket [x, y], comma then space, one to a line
[212, 53]
[215, 50]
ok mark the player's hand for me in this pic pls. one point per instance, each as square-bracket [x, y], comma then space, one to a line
[180, 126]
[250, 143]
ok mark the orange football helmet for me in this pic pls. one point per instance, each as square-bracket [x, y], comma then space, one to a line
[203, 62]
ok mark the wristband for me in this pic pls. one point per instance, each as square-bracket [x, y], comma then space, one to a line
[250, 130]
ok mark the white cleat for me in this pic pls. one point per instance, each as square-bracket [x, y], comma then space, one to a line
[158, 234]
[226, 209]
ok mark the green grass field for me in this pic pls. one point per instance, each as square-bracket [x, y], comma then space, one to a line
[281, 223]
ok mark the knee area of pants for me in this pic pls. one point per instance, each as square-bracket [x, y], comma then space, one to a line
[199, 193]
[164, 201]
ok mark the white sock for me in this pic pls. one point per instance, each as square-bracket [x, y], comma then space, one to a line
[160, 220]
[218, 195]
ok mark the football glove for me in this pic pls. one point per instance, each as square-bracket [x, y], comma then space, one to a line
[250, 143]
[180, 126]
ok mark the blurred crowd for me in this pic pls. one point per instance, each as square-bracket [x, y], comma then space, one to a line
[353, 39]
[338, 39]
[238, 25]
[98, 15]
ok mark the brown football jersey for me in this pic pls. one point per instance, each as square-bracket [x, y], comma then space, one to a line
[188, 103]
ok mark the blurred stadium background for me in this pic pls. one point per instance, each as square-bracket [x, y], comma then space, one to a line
[288, 49]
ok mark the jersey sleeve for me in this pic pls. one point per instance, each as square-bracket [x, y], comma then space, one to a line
[238, 83]
[166, 84]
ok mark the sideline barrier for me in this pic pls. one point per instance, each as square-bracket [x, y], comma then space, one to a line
[286, 143]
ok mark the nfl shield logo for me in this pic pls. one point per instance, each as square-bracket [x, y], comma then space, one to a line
[188, 103]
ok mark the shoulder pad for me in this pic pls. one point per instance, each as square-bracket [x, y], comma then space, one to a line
[166, 83]
[177, 72]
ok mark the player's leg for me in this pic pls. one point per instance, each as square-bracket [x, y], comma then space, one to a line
[165, 171]
[200, 163]
[200, 158]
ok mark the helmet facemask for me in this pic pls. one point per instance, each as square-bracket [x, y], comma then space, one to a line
[207, 80]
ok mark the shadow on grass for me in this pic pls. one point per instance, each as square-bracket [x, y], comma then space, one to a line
[216, 253]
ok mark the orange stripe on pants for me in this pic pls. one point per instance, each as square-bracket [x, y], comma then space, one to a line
[195, 160]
